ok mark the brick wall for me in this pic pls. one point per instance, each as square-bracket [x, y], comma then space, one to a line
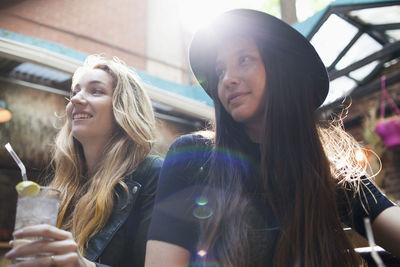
[116, 28]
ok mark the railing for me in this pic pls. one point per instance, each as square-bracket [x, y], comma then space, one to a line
[388, 259]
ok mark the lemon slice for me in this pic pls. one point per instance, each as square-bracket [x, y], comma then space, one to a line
[27, 188]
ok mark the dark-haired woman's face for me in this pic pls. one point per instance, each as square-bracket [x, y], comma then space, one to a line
[241, 80]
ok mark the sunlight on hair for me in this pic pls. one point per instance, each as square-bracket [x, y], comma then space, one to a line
[340, 148]
[348, 160]
[360, 156]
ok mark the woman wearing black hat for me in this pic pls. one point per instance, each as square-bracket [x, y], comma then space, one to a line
[271, 187]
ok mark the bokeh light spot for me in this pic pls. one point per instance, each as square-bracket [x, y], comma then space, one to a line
[202, 212]
[202, 253]
[201, 200]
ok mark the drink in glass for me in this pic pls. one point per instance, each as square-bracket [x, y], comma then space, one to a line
[38, 208]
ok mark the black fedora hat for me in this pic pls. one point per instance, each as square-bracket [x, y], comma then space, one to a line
[204, 45]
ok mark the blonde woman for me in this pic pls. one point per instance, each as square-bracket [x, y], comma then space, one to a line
[104, 171]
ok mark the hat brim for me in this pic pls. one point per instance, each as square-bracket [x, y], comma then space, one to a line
[204, 45]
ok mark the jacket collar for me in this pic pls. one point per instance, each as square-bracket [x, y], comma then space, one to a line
[118, 216]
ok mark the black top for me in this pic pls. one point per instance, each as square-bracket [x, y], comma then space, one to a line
[180, 207]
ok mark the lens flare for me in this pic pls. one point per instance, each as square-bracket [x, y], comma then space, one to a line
[202, 212]
[202, 253]
[202, 201]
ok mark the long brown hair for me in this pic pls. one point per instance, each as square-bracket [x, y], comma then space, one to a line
[87, 202]
[296, 175]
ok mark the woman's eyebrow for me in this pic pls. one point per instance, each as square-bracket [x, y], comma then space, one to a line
[91, 82]
[95, 81]
[238, 52]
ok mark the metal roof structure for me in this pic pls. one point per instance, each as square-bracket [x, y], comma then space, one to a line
[357, 40]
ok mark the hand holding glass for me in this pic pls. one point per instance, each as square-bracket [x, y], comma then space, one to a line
[41, 208]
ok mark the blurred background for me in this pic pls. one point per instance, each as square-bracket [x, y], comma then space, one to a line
[42, 42]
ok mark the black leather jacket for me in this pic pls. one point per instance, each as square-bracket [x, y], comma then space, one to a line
[122, 241]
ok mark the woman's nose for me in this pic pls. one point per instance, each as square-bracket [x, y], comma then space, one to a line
[231, 77]
[79, 98]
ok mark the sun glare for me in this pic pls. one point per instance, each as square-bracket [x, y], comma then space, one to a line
[360, 156]
[195, 14]
[198, 13]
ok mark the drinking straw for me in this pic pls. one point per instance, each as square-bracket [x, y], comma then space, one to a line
[18, 161]
[371, 241]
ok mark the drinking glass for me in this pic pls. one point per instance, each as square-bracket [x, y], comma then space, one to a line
[41, 208]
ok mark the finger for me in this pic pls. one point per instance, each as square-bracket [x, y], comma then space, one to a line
[42, 230]
[15, 245]
[43, 247]
[63, 247]
[68, 259]
[27, 248]
[39, 261]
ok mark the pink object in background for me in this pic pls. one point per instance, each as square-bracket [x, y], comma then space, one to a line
[388, 128]
[389, 131]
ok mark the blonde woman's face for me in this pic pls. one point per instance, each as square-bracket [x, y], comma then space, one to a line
[90, 109]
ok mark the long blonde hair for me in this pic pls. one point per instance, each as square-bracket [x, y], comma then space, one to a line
[87, 202]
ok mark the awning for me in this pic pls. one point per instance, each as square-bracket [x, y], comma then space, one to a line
[356, 40]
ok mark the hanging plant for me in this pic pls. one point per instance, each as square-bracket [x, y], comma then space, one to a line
[388, 128]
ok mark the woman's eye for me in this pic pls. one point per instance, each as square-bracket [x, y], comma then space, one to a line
[97, 91]
[244, 59]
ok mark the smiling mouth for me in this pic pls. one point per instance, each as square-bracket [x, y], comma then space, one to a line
[235, 97]
[81, 116]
